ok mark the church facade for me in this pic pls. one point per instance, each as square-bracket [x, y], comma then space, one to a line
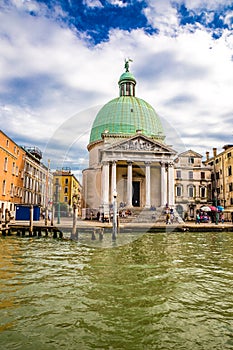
[128, 156]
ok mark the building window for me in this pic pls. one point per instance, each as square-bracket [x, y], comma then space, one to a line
[4, 187]
[190, 175]
[191, 191]
[202, 192]
[229, 155]
[66, 181]
[230, 187]
[66, 189]
[13, 168]
[178, 174]
[65, 199]
[229, 171]
[7, 143]
[12, 190]
[5, 163]
[202, 175]
[191, 160]
[178, 191]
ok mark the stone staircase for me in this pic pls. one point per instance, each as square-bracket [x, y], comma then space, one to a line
[142, 215]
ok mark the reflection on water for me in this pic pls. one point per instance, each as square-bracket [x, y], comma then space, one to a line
[162, 291]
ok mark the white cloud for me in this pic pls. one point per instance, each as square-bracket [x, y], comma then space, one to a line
[92, 3]
[205, 4]
[229, 19]
[162, 15]
[119, 3]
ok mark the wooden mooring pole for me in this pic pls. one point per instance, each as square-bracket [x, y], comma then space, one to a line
[31, 221]
[74, 234]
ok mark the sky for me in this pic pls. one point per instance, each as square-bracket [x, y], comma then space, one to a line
[60, 62]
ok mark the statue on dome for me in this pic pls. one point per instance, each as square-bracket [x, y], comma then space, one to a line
[127, 64]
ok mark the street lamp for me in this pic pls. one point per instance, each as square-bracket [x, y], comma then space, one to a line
[114, 223]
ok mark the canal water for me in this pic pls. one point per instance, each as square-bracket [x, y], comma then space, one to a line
[162, 291]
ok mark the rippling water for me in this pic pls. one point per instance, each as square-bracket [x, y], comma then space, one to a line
[162, 291]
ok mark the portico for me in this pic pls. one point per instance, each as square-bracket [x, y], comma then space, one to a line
[142, 177]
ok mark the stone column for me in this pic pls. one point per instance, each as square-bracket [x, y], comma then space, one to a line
[105, 186]
[171, 197]
[148, 197]
[129, 184]
[114, 176]
[164, 198]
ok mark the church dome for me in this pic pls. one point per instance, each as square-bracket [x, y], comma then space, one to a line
[125, 115]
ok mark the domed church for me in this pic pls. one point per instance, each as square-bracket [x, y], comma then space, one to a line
[128, 155]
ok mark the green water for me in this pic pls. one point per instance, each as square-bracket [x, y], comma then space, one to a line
[162, 291]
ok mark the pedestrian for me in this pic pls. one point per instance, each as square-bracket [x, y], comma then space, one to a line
[168, 221]
[198, 219]
[171, 217]
[222, 218]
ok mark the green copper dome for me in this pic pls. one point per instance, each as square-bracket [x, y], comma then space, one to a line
[125, 115]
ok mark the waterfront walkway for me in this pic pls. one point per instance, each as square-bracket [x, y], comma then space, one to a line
[66, 224]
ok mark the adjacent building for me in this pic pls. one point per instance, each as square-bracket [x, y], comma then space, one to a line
[67, 192]
[221, 165]
[37, 179]
[192, 183]
[11, 173]
[24, 179]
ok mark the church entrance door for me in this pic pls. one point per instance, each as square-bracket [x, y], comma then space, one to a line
[136, 194]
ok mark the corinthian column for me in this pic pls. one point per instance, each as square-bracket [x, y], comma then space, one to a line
[113, 176]
[171, 201]
[148, 198]
[105, 186]
[129, 184]
[163, 184]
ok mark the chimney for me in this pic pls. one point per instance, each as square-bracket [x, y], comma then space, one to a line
[215, 152]
[207, 155]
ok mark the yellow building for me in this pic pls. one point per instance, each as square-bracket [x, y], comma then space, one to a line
[11, 173]
[67, 191]
[222, 177]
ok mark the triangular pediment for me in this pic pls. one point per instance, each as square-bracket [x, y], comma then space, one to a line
[140, 143]
[190, 153]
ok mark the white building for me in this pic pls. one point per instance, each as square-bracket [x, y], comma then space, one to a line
[128, 154]
[192, 183]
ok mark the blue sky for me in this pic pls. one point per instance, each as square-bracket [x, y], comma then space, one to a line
[60, 61]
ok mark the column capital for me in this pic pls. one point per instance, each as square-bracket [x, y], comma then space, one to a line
[105, 162]
[171, 164]
[163, 163]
